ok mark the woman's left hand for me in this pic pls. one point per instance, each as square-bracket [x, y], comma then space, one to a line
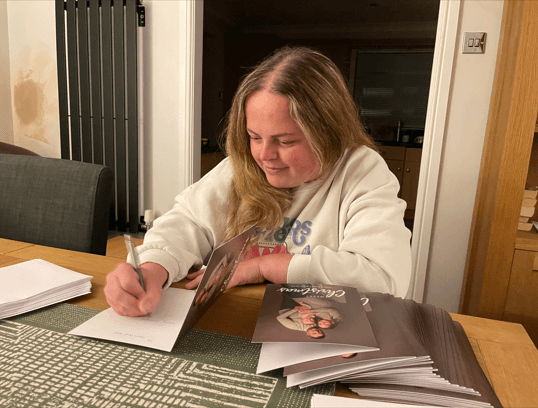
[196, 278]
[247, 272]
[272, 267]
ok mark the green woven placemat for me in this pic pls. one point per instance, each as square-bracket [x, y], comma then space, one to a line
[42, 366]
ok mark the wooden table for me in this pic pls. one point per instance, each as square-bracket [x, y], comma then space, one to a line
[505, 351]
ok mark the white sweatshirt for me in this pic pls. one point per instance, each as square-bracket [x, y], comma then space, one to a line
[346, 229]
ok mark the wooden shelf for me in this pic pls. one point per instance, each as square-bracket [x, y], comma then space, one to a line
[527, 240]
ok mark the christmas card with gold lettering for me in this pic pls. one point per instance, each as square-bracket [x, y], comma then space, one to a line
[421, 355]
[302, 322]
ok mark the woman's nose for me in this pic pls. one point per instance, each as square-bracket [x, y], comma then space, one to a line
[268, 151]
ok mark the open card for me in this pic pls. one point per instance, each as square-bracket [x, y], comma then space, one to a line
[178, 310]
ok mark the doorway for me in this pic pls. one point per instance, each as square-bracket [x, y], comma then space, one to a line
[239, 38]
[235, 39]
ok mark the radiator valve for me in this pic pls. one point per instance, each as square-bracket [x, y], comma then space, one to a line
[149, 217]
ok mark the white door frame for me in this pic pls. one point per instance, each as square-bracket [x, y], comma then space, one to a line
[193, 32]
[434, 134]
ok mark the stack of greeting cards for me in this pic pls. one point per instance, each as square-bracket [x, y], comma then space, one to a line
[387, 348]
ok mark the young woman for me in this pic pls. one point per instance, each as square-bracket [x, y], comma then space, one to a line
[301, 167]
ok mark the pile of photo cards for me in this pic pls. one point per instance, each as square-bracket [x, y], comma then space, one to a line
[387, 348]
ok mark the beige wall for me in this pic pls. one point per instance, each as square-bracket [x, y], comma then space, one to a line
[462, 152]
[6, 119]
[34, 80]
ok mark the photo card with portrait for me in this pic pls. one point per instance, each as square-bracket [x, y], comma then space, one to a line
[306, 313]
[220, 269]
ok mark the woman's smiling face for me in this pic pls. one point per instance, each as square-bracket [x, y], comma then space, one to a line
[277, 143]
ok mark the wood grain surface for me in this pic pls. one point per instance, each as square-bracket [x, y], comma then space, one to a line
[504, 350]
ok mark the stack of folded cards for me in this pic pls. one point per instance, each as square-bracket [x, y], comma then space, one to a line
[37, 283]
[419, 354]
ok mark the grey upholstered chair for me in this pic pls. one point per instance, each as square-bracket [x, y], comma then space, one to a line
[13, 149]
[54, 202]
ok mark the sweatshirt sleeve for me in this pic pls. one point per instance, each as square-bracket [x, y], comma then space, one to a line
[372, 252]
[186, 235]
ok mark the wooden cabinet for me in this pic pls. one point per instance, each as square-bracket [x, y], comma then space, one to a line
[394, 156]
[522, 295]
[492, 271]
[404, 162]
[517, 295]
[397, 167]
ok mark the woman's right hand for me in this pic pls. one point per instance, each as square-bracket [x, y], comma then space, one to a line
[124, 293]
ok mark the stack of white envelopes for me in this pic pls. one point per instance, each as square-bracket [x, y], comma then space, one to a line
[37, 283]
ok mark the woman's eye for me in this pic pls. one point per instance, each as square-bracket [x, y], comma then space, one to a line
[289, 142]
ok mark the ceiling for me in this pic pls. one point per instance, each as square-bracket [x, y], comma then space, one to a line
[256, 13]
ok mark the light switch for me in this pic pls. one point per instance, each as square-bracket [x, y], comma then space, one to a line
[474, 43]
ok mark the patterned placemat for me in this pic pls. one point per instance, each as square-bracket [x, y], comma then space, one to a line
[41, 365]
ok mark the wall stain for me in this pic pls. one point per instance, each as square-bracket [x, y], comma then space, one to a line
[28, 99]
[34, 93]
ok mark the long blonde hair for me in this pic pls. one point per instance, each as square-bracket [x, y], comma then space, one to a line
[323, 108]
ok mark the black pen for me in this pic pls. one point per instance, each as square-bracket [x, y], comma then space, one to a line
[129, 243]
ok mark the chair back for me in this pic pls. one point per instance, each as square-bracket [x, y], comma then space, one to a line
[55, 202]
[12, 149]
